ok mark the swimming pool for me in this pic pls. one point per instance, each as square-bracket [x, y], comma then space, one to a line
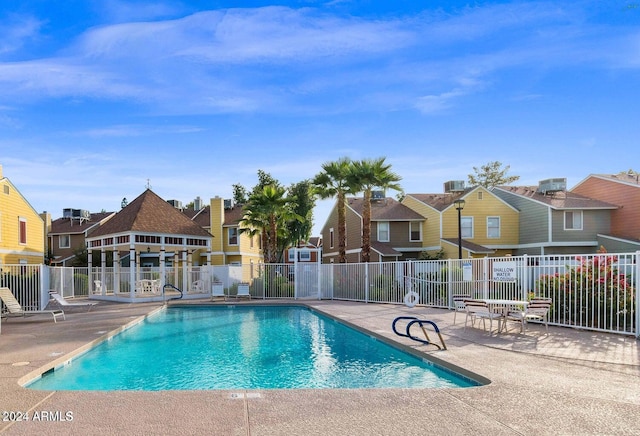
[244, 347]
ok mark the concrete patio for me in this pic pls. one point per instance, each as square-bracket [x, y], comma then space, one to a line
[568, 382]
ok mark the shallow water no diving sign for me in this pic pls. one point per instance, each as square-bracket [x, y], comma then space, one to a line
[504, 271]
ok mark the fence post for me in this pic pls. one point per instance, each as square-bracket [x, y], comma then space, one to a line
[366, 282]
[44, 287]
[525, 277]
[637, 282]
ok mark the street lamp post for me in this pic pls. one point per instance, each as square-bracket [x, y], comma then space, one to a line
[459, 203]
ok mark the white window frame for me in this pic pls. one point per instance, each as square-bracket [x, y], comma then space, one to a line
[489, 227]
[331, 237]
[570, 216]
[467, 230]
[63, 237]
[305, 255]
[229, 235]
[415, 223]
[291, 255]
[388, 231]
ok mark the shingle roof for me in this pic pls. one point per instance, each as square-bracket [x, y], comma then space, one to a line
[385, 249]
[387, 209]
[558, 200]
[201, 217]
[151, 214]
[470, 246]
[69, 226]
[626, 178]
[233, 215]
[438, 201]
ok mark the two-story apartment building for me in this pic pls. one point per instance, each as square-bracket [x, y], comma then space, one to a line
[22, 229]
[489, 226]
[229, 245]
[66, 235]
[623, 190]
[396, 231]
[556, 221]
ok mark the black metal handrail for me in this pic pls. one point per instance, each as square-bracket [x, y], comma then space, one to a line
[421, 323]
[170, 286]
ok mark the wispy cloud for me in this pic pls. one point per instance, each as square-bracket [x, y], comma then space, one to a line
[17, 31]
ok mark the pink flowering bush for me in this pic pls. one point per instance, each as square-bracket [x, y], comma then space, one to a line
[593, 294]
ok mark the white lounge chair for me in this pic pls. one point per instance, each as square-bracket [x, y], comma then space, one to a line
[217, 291]
[59, 299]
[243, 291]
[15, 309]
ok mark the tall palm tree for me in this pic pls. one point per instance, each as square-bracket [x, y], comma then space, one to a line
[335, 181]
[268, 209]
[367, 175]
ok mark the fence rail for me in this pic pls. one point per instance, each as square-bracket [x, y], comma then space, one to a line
[595, 292]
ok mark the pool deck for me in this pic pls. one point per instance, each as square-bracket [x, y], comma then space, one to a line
[569, 382]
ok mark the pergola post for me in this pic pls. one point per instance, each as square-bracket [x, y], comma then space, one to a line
[132, 270]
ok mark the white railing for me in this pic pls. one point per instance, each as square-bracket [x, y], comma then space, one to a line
[595, 292]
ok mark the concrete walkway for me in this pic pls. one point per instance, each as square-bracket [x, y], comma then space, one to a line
[568, 382]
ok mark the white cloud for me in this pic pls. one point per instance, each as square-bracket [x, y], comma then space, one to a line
[17, 32]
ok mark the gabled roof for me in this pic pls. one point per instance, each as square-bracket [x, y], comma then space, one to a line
[233, 215]
[470, 246]
[387, 209]
[631, 179]
[437, 201]
[73, 226]
[384, 248]
[149, 213]
[557, 200]
[201, 217]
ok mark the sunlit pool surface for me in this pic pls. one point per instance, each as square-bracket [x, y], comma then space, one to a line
[244, 347]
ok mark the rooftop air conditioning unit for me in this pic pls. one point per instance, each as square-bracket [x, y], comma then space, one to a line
[175, 203]
[454, 186]
[549, 186]
[377, 195]
[228, 203]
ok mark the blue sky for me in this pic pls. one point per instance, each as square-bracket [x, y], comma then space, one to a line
[99, 98]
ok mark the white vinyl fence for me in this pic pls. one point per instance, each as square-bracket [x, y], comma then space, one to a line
[595, 292]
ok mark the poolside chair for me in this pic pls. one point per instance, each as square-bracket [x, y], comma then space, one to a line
[243, 291]
[217, 291]
[458, 304]
[15, 309]
[59, 299]
[478, 309]
[537, 310]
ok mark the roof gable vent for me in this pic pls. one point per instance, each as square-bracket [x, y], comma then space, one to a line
[550, 186]
[454, 186]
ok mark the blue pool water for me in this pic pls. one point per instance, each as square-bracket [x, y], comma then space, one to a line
[244, 347]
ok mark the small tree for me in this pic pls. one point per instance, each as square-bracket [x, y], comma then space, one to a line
[490, 175]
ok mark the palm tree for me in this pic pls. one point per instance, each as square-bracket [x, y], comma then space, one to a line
[268, 209]
[334, 181]
[367, 175]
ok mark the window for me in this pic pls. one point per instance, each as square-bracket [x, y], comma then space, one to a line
[331, 238]
[233, 236]
[291, 255]
[383, 231]
[466, 225]
[22, 231]
[305, 255]
[493, 227]
[64, 241]
[573, 220]
[415, 231]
